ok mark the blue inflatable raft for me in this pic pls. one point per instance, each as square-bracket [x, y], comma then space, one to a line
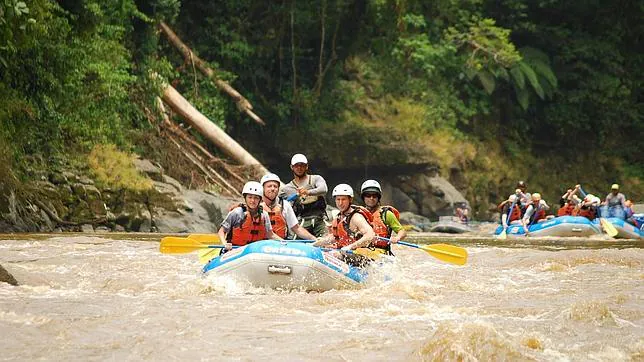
[624, 229]
[562, 226]
[286, 265]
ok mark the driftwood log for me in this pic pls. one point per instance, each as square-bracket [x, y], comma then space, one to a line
[195, 153]
[209, 130]
[242, 103]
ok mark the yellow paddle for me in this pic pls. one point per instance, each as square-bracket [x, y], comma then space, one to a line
[447, 253]
[205, 238]
[369, 253]
[609, 228]
[177, 245]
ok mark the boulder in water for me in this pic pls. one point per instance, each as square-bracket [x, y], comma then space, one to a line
[6, 277]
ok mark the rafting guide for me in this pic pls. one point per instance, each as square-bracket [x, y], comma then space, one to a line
[310, 204]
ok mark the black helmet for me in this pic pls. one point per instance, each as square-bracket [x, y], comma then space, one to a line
[521, 184]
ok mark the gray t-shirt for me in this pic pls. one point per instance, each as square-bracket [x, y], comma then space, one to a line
[235, 217]
[616, 200]
[315, 184]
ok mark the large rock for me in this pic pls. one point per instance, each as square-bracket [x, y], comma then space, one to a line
[6, 277]
[420, 222]
[149, 169]
[201, 213]
[427, 194]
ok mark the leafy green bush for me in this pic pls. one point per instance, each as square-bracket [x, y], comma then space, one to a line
[115, 169]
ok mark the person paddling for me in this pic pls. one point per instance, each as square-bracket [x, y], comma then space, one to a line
[535, 212]
[247, 222]
[385, 218]
[523, 194]
[587, 207]
[511, 211]
[569, 201]
[279, 210]
[351, 227]
[310, 205]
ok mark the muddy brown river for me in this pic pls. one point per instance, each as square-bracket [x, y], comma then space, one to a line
[116, 297]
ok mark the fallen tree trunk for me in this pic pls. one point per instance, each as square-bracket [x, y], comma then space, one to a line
[242, 103]
[209, 130]
[191, 155]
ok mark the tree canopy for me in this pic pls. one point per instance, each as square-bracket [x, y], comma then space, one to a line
[463, 81]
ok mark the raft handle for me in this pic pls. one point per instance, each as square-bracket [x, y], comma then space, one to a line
[279, 269]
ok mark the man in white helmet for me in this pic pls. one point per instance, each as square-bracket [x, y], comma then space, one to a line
[247, 223]
[385, 218]
[351, 228]
[310, 204]
[280, 212]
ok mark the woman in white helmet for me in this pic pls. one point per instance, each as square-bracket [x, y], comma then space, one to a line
[247, 223]
[351, 228]
[385, 218]
[535, 212]
[280, 212]
[310, 203]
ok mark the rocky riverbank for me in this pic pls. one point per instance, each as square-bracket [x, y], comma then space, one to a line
[68, 201]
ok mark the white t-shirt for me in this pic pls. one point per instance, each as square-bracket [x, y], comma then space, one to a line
[287, 213]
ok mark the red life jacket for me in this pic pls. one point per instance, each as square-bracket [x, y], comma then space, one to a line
[588, 212]
[277, 220]
[249, 230]
[567, 209]
[537, 215]
[515, 214]
[380, 228]
[341, 230]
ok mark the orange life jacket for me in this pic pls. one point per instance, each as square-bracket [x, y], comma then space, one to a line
[249, 230]
[567, 209]
[380, 228]
[277, 220]
[341, 230]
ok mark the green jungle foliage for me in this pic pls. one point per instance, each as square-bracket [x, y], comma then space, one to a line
[503, 89]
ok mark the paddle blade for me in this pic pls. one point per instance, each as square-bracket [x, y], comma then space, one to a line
[206, 255]
[177, 245]
[609, 228]
[205, 238]
[503, 235]
[447, 253]
[369, 253]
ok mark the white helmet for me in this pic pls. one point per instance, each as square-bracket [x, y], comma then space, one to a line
[342, 190]
[370, 186]
[270, 177]
[253, 188]
[298, 158]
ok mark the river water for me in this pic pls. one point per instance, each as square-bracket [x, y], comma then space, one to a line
[115, 297]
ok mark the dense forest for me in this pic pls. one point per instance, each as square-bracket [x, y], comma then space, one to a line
[495, 91]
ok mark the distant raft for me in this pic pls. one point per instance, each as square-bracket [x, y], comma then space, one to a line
[624, 229]
[287, 265]
[562, 226]
[447, 224]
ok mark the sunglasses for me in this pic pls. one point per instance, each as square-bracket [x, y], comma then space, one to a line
[370, 196]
